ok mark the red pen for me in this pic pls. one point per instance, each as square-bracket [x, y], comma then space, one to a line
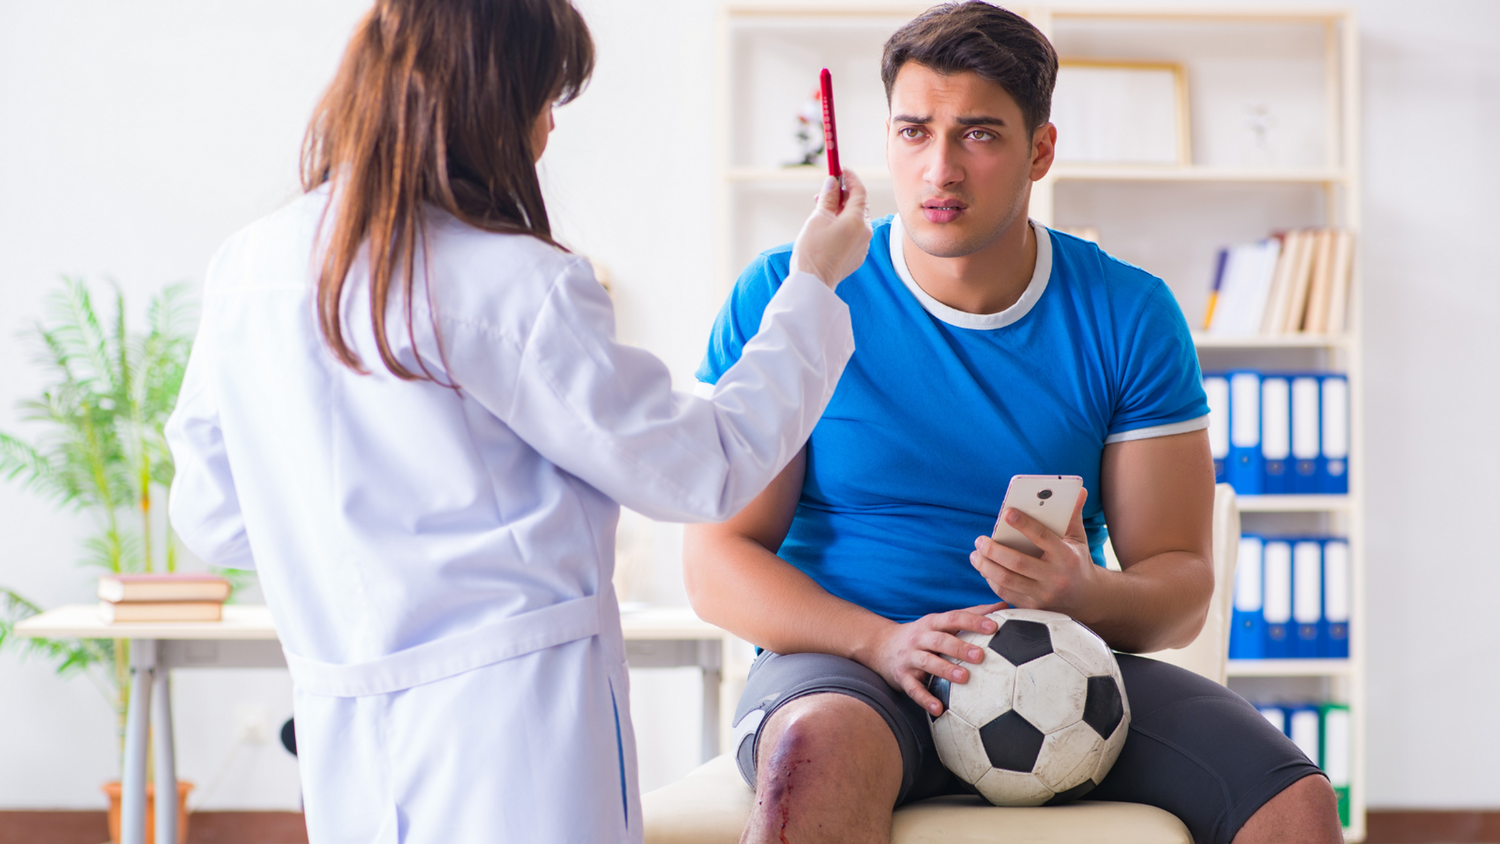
[830, 134]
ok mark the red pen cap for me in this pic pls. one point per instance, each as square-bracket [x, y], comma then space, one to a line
[830, 134]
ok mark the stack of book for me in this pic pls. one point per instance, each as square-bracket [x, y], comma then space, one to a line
[1295, 282]
[162, 597]
[1279, 433]
[1320, 729]
[1291, 598]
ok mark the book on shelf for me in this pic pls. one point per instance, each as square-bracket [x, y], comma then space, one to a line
[1321, 730]
[1291, 598]
[115, 611]
[1293, 282]
[163, 587]
[1279, 433]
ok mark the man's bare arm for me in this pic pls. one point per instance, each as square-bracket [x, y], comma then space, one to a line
[1158, 502]
[735, 580]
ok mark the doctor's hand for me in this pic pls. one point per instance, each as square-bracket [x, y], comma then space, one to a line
[906, 654]
[833, 242]
[1062, 579]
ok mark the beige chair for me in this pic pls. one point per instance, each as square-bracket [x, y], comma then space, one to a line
[712, 804]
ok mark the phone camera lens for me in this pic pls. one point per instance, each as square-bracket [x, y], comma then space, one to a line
[1044, 494]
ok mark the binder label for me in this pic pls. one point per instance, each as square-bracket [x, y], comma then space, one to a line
[1278, 586]
[1217, 389]
[1276, 419]
[1336, 581]
[1335, 421]
[1305, 433]
[1244, 407]
[1307, 590]
[1247, 597]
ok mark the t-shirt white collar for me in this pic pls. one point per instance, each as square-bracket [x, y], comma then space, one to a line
[964, 319]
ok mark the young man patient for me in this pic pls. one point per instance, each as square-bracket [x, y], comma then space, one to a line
[987, 346]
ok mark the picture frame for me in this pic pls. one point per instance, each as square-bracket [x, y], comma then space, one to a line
[1132, 113]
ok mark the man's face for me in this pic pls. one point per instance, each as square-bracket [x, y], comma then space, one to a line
[961, 159]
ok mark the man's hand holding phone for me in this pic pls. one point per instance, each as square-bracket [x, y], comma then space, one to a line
[1060, 578]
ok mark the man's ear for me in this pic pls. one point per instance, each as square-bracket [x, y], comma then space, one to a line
[1043, 148]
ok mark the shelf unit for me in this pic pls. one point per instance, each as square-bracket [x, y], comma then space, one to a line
[1169, 219]
[1316, 184]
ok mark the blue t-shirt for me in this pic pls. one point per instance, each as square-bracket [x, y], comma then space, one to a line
[938, 408]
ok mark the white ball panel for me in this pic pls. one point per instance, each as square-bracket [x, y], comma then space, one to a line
[1112, 747]
[1050, 693]
[1010, 788]
[1079, 646]
[989, 692]
[960, 748]
[980, 639]
[1069, 756]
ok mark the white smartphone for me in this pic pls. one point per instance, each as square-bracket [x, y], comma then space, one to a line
[1049, 499]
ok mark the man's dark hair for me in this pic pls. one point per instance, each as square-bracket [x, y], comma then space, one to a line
[999, 45]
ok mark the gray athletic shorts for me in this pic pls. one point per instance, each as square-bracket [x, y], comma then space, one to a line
[1195, 749]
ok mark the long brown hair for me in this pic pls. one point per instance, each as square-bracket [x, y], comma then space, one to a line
[433, 104]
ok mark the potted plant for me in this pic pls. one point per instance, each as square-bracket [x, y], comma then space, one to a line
[101, 449]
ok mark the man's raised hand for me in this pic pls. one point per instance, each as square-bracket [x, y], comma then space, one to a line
[1061, 579]
[908, 653]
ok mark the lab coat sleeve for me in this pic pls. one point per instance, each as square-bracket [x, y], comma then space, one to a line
[204, 508]
[606, 412]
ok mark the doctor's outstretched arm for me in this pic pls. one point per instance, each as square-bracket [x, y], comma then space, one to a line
[606, 412]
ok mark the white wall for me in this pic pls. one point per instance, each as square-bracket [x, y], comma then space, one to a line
[135, 136]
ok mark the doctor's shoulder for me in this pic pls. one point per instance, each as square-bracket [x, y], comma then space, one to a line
[501, 280]
[273, 252]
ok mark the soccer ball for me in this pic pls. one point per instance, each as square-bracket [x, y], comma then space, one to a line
[1043, 715]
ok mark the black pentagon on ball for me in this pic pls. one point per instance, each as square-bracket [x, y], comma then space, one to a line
[1104, 708]
[939, 687]
[1071, 794]
[1011, 742]
[1021, 641]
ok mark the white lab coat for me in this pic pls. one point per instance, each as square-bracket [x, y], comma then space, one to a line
[437, 562]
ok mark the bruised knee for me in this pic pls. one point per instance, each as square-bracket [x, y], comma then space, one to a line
[825, 735]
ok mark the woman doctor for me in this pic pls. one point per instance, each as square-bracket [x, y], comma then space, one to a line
[406, 410]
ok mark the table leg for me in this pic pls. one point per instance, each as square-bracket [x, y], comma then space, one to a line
[166, 764]
[133, 774]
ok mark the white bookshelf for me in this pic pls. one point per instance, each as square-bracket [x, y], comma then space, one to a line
[1172, 220]
[1301, 65]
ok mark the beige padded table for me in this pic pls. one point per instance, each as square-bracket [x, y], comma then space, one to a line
[712, 804]
[655, 637]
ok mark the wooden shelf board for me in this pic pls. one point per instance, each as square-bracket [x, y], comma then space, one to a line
[1290, 668]
[1293, 503]
[751, 12]
[1271, 341]
[1230, 15]
[812, 174]
[1190, 173]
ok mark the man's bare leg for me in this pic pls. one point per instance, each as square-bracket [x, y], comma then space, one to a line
[1305, 812]
[829, 772]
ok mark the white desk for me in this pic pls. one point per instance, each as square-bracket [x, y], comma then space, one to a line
[654, 638]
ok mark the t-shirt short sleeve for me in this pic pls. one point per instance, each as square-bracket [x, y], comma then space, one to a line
[740, 317]
[1161, 387]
